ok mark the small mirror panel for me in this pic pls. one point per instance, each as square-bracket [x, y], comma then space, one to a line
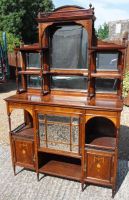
[69, 82]
[106, 85]
[106, 61]
[33, 60]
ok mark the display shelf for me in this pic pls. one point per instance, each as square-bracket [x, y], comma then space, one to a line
[102, 143]
[106, 75]
[31, 48]
[108, 47]
[30, 72]
[62, 169]
[25, 133]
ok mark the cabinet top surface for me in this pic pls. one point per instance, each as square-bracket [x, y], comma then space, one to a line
[80, 102]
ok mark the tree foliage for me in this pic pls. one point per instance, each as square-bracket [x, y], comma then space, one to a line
[18, 17]
[103, 31]
[12, 41]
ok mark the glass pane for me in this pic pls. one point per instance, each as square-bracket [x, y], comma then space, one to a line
[75, 120]
[75, 135]
[58, 118]
[69, 47]
[33, 60]
[106, 61]
[75, 149]
[42, 134]
[62, 147]
[58, 133]
[106, 85]
[33, 81]
[41, 117]
[69, 82]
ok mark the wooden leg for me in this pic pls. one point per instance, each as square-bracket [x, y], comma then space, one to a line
[83, 185]
[37, 176]
[113, 192]
[14, 169]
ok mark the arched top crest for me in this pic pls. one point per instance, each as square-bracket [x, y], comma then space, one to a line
[67, 7]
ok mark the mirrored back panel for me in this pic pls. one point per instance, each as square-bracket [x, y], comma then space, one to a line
[106, 85]
[33, 81]
[69, 47]
[69, 82]
[59, 132]
[107, 61]
[33, 60]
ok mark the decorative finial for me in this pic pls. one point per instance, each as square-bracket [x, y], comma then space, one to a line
[90, 5]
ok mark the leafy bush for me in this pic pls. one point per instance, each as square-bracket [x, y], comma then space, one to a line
[12, 40]
[126, 84]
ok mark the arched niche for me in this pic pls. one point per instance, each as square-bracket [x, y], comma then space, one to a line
[100, 129]
[19, 117]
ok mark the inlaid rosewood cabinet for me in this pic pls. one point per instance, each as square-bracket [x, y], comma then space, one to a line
[70, 88]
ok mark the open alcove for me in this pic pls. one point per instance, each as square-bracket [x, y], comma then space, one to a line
[100, 132]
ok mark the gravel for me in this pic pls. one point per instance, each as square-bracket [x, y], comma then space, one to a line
[25, 186]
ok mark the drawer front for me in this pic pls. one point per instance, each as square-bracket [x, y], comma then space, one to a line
[24, 152]
[99, 166]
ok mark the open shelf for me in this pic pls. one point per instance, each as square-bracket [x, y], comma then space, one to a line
[61, 166]
[98, 134]
[31, 48]
[25, 133]
[103, 142]
[107, 47]
[29, 72]
[106, 74]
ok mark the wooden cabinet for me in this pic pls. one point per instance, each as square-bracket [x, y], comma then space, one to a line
[72, 100]
[24, 152]
[22, 143]
[99, 166]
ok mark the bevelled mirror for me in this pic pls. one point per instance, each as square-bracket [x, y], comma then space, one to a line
[106, 61]
[69, 47]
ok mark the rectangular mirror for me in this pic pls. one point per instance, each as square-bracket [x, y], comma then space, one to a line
[33, 60]
[33, 81]
[69, 82]
[69, 47]
[106, 61]
[106, 85]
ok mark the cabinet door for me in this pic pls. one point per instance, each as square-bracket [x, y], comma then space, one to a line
[24, 153]
[99, 166]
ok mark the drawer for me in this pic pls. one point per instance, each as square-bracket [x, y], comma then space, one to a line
[99, 165]
[24, 152]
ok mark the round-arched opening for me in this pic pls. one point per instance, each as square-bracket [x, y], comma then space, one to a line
[20, 118]
[100, 131]
[68, 44]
